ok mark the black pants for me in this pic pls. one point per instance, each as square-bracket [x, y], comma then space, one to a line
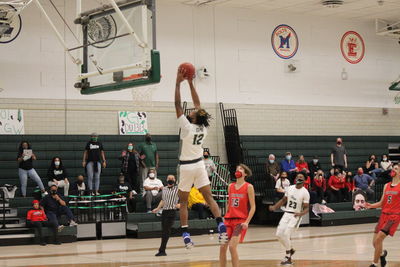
[337, 196]
[40, 225]
[133, 180]
[320, 194]
[167, 221]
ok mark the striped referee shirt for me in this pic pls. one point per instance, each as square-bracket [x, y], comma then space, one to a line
[170, 197]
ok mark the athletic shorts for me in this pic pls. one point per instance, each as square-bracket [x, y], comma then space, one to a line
[288, 220]
[388, 223]
[234, 228]
[192, 174]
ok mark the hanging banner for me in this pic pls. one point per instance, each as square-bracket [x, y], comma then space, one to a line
[352, 47]
[132, 123]
[11, 121]
[284, 41]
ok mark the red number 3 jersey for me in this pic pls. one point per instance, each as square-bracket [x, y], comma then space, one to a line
[238, 202]
[391, 199]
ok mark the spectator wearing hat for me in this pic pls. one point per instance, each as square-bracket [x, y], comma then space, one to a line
[93, 159]
[55, 206]
[36, 218]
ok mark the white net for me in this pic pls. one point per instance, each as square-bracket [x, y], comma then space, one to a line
[143, 96]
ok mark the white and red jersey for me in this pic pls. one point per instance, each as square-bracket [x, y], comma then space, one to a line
[238, 202]
[391, 199]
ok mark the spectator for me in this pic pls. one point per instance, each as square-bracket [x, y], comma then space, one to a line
[210, 166]
[131, 166]
[25, 160]
[55, 206]
[350, 186]
[92, 157]
[337, 188]
[302, 165]
[169, 204]
[149, 153]
[152, 190]
[314, 166]
[359, 200]
[364, 182]
[79, 187]
[36, 218]
[288, 165]
[58, 175]
[339, 155]
[319, 186]
[273, 169]
[282, 184]
[386, 164]
[126, 191]
[197, 202]
[372, 167]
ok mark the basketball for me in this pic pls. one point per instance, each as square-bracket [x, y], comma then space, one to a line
[190, 70]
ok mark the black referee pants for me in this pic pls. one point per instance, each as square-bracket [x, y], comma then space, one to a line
[167, 221]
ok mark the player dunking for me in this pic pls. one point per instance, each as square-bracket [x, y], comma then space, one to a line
[390, 216]
[297, 204]
[192, 170]
[240, 210]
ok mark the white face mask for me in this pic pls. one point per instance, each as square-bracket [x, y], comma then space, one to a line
[56, 163]
[315, 161]
[288, 157]
[151, 175]
[271, 161]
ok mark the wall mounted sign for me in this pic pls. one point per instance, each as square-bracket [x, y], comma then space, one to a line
[352, 47]
[284, 41]
[132, 123]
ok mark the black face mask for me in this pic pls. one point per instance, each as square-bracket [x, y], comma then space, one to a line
[148, 139]
[80, 182]
[170, 182]
[206, 156]
[53, 192]
[336, 173]
[189, 118]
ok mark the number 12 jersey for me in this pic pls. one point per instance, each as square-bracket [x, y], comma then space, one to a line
[192, 138]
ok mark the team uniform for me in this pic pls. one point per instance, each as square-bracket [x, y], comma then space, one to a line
[390, 217]
[238, 210]
[192, 170]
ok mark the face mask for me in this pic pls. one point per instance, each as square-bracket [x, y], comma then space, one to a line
[299, 181]
[336, 173]
[189, 118]
[283, 177]
[360, 172]
[80, 182]
[339, 143]
[315, 161]
[56, 163]
[151, 175]
[384, 159]
[53, 192]
[288, 157]
[130, 147]
[94, 139]
[238, 174]
[392, 174]
[170, 182]
[271, 161]
[206, 156]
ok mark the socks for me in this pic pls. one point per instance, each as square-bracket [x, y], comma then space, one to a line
[184, 228]
[219, 220]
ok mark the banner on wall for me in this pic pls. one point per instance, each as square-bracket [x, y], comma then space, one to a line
[352, 47]
[11, 121]
[284, 41]
[132, 123]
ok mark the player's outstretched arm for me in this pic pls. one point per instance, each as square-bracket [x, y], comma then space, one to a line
[178, 102]
[195, 96]
[278, 204]
[377, 204]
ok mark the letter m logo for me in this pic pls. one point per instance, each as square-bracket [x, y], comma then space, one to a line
[284, 41]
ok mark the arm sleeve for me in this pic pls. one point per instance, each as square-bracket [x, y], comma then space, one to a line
[50, 174]
[65, 173]
[146, 182]
[345, 151]
[160, 183]
[306, 198]
[277, 185]
[87, 146]
[184, 125]
[29, 216]
[330, 181]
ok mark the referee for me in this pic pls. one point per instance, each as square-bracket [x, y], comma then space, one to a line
[169, 204]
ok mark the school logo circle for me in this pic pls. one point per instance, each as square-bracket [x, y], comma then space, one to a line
[352, 47]
[284, 41]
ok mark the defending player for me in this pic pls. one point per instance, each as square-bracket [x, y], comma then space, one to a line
[239, 214]
[297, 204]
[390, 217]
[191, 165]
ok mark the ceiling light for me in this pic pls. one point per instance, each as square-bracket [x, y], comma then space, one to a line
[332, 3]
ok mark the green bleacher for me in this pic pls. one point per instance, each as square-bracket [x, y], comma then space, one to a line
[70, 148]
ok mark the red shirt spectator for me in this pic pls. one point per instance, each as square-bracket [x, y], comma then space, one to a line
[350, 186]
[307, 182]
[319, 183]
[36, 215]
[301, 164]
[337, 182]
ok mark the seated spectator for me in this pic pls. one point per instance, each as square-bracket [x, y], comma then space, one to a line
[130, 166]
[210, 166]
[79, 188]
[25, 160]
[314, 166]
[364, 182]
[36, 218]
[350, 186]
[58, 175]
[386, 164]
[337, 188]
[126, 191]
[55, 206]
[197, 202]
[359, 200]
[273, 169]
[372, 167]
[302, 165]
[282, 184]
[319, 186]
[152, 190]
[288, 166]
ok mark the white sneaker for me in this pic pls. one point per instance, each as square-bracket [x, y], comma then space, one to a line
[44, 193]
[323, 202]
[134, 192]
[60, 227]
[72, 223]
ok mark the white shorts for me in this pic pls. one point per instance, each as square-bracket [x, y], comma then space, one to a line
[288, 220]
[192, 174]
